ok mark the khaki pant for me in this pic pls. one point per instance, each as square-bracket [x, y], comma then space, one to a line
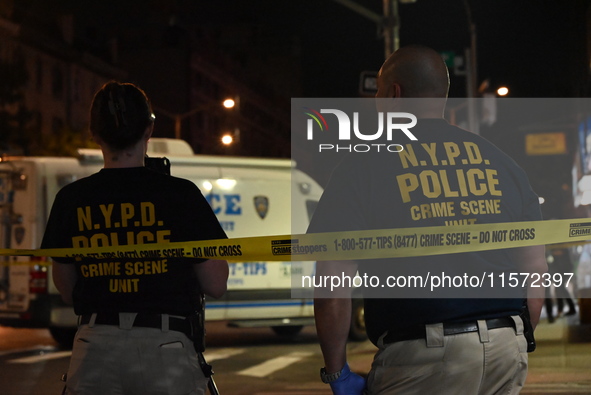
[477, 363]
[108, 360]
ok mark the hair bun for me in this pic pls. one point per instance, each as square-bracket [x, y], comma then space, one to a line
[120, 114]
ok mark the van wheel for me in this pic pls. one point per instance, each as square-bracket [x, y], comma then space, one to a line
[287, 330]
[64, 336]
[357, 329]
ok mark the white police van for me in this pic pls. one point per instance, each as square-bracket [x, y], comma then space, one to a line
[250, 196]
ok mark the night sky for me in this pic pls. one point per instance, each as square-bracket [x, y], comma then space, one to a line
[537, 47]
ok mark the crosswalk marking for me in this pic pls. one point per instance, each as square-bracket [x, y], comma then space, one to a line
[46, 354]
[321, 391]
[42, 357]
[557, 388]
[28, 349]
[312, 388]
[272, 365]
[260, 370]
[222, 353]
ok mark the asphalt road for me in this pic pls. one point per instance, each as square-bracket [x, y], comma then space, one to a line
[258, 362]
[245, 361]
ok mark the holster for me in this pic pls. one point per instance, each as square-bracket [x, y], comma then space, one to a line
[197, 330]
[528, 330]
[197, 335]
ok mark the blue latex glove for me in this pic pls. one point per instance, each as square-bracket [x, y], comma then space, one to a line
[348, 383]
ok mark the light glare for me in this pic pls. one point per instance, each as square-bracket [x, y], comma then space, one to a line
[227, 139]
[207, 186]
[503, 91]
[229, 103]
[226, 183]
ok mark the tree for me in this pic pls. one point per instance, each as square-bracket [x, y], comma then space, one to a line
[65, 142]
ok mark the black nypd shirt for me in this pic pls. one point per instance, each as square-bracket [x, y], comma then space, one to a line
[447, 177]
[132, 206]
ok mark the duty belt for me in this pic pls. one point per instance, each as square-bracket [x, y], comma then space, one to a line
[144, 320]
[419, 331]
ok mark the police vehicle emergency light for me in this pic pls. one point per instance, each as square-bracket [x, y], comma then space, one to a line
[250, 196]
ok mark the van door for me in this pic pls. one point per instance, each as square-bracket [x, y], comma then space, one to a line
[257, 202]
[5, 232]
[20, 278]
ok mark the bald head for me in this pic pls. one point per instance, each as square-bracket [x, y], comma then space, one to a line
[413, 72]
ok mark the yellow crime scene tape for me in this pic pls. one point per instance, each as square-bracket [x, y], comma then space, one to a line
[365, 244]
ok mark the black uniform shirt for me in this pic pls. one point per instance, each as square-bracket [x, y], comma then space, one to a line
[447, 177]
[132, 206]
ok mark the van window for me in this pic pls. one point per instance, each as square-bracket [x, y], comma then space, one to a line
[311, 207]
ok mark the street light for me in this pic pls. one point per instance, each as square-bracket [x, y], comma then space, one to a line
[227, 139]
[227, 103]
[231, 137]
[503, 91]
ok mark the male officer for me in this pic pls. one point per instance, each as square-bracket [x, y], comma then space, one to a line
[448, 345]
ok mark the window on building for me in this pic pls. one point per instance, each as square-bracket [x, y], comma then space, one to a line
[39, 75]
[76, 86]
[57, 125]
[57, 83]
[37, 123]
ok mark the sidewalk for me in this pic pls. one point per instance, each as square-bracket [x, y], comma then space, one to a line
[561, 363]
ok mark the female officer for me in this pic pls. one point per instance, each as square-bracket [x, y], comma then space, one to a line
[133, 310]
